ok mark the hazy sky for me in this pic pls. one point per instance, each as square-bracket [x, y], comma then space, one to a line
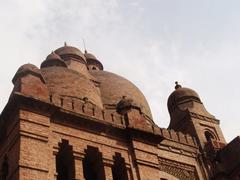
[153, 43]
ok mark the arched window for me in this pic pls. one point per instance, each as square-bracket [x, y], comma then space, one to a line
[119, 169]
[5, 168]
[209, 136]
[65, 162]
[93, 168]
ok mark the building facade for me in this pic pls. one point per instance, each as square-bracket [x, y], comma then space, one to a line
[70, 119]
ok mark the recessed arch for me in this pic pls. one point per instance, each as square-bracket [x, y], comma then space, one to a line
[65, 162]
[119, 169]
[93, 168]
[209, 135]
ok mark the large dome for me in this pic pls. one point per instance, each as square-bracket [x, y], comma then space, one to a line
[67, 72]
[114, 87]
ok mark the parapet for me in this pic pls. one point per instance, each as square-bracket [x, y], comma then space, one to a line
[175, 136]
[84, 107]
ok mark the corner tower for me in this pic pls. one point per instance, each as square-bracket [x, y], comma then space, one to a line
[189, 115]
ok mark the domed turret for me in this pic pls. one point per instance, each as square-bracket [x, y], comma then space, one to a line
[181, 102]
[180, 95]
[89, 55]
[92, 62]
[28, 67]
[29, 81]
[25, 69]
[74, 59]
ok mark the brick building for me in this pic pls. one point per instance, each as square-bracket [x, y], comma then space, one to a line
[70, 119]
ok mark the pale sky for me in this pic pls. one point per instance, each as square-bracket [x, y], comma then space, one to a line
[153, 43]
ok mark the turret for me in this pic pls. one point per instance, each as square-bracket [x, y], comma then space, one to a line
[189, 115]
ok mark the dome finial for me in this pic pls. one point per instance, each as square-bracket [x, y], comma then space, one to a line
[65, 43]
[177, 85]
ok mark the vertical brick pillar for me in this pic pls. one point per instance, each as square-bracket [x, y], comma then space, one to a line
[54, 167]
[108, 169]
[78, 161]
[33, 135]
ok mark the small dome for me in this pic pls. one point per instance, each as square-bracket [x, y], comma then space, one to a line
[53, 56]
[28, 67]
[89, 55]
[70, 51]
[181, 94]
[25, 69]
[53, 60]
[92, 62]
[180, 103]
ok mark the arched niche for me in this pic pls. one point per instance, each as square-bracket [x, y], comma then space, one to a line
[209, 135]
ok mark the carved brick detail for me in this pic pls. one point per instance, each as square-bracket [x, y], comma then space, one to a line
[177, 169]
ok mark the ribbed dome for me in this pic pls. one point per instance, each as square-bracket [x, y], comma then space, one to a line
[114, 87]
[70, 51]
[67, 82]
[181, 94]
